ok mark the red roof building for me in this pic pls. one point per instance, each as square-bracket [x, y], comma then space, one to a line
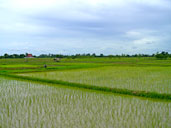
[29, 56]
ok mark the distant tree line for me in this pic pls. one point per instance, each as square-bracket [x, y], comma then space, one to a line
[158, 55]
[162, 55]
[13, 56]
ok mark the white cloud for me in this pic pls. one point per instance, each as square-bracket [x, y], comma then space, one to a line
[146, 40]
[157, 3]
[85, 25]
[140, 33]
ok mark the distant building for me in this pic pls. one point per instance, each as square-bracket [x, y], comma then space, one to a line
[29, 56]
[57, 59]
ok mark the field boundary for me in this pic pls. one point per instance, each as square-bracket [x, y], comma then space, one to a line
[145, 94]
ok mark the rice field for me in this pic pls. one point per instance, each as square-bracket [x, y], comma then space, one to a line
[39, 104]
[151, 79]
[27, 104]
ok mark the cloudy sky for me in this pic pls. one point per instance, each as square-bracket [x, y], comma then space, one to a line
[85, 26]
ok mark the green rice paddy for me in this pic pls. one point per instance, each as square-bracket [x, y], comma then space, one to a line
[151, 79]
[85, 92]
[27, 104]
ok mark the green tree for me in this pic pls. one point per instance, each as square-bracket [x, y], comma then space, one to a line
[101, 55]
[6, 55]
[162, 55]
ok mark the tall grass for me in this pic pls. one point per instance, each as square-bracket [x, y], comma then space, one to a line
[26, 104]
